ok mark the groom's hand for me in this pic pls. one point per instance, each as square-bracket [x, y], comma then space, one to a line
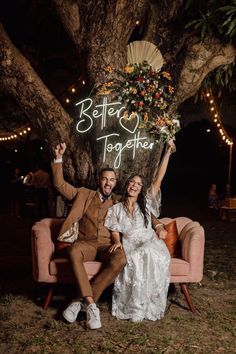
[59, 150]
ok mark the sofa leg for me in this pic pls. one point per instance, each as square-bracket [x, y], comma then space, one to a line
[48, 298]
[185, 291]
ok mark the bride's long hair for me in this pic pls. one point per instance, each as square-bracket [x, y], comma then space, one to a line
[141, 200]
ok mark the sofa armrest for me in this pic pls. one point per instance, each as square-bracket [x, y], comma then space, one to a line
[192, 244]
[42, 251]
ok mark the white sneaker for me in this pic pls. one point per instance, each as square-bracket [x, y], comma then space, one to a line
[136, 319]
[93, 317]
[71, 312]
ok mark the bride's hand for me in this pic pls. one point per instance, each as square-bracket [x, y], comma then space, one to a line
[115, 247]
[170, 147]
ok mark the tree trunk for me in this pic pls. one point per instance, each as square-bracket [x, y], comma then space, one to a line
[44, 111]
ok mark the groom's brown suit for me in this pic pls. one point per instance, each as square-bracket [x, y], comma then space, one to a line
[93, 240]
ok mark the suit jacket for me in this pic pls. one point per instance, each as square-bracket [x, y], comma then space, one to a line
[82, 197]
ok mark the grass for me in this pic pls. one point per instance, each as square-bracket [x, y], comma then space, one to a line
[26, 328]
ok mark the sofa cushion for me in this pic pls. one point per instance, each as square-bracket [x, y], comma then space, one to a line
[172, 239]
[61, 267]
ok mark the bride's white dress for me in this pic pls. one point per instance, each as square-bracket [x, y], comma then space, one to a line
[140, 290]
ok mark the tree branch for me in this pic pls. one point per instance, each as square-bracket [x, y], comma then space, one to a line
[68, 11]
[201, 58]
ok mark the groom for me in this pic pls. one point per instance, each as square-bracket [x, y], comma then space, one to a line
[85, 221]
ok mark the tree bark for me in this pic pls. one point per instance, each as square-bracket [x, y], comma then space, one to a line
[105, 28]
[45, 113]
[201, 58]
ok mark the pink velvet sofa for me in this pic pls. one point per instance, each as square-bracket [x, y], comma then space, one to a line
[51, 270]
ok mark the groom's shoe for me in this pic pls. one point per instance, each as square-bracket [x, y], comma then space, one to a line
[93, 317]
[71, 312]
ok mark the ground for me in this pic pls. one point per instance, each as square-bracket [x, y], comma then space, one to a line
[27, 328]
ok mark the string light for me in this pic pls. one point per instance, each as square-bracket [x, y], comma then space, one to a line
[17, 134]
[217, 120]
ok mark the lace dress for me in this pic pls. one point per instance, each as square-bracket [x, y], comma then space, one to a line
[140, 290]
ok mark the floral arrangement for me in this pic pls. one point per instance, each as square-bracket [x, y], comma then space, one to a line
[148, 93]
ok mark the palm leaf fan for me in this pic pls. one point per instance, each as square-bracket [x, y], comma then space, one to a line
[139, 51]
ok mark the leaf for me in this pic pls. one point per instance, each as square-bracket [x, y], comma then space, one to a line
[226, 21]
[231, 27]
[225, 8]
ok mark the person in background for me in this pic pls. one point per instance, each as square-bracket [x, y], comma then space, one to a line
[213, 200]
[17, 192]
[41, 183]
[227, 192]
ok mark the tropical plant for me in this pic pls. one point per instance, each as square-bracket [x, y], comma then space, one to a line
[215, 18]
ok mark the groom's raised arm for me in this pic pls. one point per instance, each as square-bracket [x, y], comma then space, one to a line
[63, 187]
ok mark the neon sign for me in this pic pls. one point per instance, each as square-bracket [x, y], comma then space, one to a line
[104, 112]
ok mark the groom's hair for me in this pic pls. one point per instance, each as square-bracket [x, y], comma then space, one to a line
[109, 169]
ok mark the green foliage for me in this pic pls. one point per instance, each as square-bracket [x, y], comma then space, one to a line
[204, 24]
[214, 18]
[220, 79]
[228, 26]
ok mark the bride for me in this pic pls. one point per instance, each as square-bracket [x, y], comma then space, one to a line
[140, 290]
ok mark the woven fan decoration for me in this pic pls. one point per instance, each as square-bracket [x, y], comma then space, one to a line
[140, 51]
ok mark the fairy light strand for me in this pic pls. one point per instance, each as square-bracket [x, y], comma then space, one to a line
[23, 130]
[217, 119]
[19, 133]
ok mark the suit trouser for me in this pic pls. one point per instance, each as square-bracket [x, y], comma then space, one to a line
[83, 251]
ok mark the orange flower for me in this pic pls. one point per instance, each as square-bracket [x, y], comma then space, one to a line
[166, 75]
[145, 118]
[171, 89]
[108, 69]
[129, 69]
[126, 115]
[168, 121]
[160, 122]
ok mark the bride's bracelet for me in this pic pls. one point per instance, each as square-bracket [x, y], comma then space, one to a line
[158, 225]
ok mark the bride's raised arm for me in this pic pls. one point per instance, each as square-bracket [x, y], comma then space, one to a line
[161, 169]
